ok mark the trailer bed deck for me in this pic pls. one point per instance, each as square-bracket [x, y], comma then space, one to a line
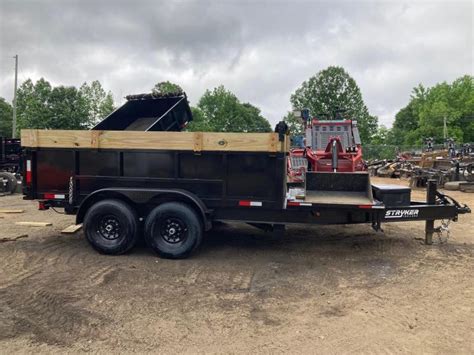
[337, 197]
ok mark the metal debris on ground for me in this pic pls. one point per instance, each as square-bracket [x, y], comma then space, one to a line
[444, 166]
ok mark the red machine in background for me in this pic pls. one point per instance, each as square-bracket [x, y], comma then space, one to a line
[329, 146]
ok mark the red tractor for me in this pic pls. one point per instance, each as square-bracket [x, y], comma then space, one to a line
[330, 146]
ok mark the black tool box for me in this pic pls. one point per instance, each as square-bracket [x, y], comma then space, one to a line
[392, 195]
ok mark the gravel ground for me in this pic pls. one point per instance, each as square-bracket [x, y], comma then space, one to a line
[329, 289]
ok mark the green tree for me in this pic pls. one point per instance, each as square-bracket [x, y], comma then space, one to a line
[424, 115]
[254, 121]
[39, 105]
[33, 104]
[381, 136]
[331, 90]
[294, 123]
[99, 103]
[199, 122]
[5, 118]
[220, 110]
[166, 88]
[68, 109]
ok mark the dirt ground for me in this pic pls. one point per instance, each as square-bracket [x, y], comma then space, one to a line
[337, 289]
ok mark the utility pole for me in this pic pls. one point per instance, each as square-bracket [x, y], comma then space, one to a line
[14, 98]
[445, 128]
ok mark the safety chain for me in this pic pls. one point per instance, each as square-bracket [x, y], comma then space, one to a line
[71, 190]
[443, 228]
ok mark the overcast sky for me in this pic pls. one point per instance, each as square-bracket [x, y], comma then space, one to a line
[260, 50]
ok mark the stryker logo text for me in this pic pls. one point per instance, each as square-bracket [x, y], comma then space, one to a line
[402, 213]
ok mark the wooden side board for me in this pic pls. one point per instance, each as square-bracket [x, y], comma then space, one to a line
[196, 141]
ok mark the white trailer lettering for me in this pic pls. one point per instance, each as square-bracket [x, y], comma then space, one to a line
[402, 213]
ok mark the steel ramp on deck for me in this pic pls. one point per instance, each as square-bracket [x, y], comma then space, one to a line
[338, 188]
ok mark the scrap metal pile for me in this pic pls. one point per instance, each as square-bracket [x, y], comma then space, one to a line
[444, 166]
[10, 161]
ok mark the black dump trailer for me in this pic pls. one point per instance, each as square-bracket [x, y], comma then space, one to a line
[173, 186]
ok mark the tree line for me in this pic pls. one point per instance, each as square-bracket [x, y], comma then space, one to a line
[330, 93]
[219, 110]
[333, 89]
[428, 109]
[42, 106]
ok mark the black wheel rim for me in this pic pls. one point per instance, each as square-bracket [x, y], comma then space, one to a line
[109, 227]
[173, 230]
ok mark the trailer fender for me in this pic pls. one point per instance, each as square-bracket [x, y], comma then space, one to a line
[142, 197]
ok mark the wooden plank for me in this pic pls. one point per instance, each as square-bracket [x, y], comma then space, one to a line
[73, 228]
[273, 143]
[240, 142]
[95, 136]
[338, 197]
[210, 141]
[29, 137]
[34, 224]
[12, 239]
[5, 210]
[197, 141]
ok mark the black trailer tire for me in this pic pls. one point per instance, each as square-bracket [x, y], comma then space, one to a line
[173, 230]
[11, 181]
[111, 227]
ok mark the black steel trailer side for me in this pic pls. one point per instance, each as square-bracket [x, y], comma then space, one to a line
[178, 194]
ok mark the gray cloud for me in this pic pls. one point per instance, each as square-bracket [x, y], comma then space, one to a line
[261, 50]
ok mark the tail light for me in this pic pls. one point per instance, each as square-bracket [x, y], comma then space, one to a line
[28, 172]
[52, 196]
